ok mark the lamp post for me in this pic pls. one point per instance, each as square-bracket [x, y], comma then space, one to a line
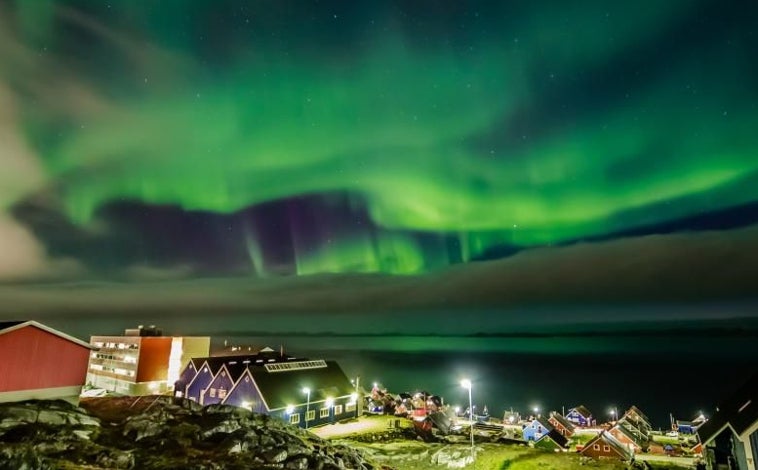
[613, 413]
[307, 392]
[329, 404]
[354, 399]
[466, 383]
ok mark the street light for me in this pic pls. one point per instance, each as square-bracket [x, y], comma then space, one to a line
[354, 401]
[329, 403]
[537, 411]
[307, 392]
[466, 383]
[613, 413]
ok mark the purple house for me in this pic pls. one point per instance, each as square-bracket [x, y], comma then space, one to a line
[580, 416]
[223, 382]
[199, 382]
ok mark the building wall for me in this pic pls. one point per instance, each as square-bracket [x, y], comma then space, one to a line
[560, 427]
[199, 383]
[36, 359]
[153, 359]
[749, 439]
[113, 366]
[600, 449]
[218, 388]
[245, 395]
[331, 413]
[70, 394]
[624, 439]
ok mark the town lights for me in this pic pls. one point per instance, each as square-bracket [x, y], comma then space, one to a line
[466, 383]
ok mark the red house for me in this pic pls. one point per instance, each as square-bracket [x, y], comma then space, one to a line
[40, 362]
[604, 445]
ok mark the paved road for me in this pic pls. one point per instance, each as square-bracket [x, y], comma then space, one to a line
[364, 425]
[682, 461]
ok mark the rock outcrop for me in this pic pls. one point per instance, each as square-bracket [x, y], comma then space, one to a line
[167, 434]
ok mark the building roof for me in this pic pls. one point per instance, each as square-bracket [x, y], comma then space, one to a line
[635, 437]
[739, 411]
[260, 358]
[611, 441]
[566, 424]
[283, 388]
[633, 426]
[556, 437]
[582, 410]
[7, 327]
[634, 409]
[545, 423]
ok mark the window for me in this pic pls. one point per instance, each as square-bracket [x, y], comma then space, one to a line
[311, 415]
[596, 447]
[350, 407]
[212, 393]
[338, 409]
[323, 413]
[606, 448]
[294, 418]
[222, 393]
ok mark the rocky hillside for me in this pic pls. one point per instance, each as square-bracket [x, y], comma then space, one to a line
[166, 434]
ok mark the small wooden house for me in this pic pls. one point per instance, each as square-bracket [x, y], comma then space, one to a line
[604, 445]
[535, 429]
[553, 441]
[580, 416]
[561, 424]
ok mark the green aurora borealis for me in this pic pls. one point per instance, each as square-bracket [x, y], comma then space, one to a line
[492, 124]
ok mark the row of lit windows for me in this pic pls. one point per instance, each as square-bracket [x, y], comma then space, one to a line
[322, 413]
[130, 359]
[221, 393]
[114, 370]
[112, 345]
[605, 448]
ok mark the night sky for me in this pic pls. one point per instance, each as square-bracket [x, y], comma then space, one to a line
[249, 157]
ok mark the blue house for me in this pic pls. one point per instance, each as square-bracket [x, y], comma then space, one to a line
[195, 388]
[690, 427]
[223, 382]
[536, 429]
[580, 416]
[306, 393]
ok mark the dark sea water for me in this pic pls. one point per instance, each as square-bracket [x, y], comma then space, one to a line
[661, 374]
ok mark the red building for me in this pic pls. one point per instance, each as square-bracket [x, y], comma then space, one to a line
[604, 445]
[40, 362]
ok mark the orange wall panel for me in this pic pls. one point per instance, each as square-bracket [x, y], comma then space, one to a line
[153, 359]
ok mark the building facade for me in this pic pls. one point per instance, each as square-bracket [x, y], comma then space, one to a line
[730, 438]
[302, 392]
[142, 361]
[581, 417]
[39, 362]
[604, 445]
